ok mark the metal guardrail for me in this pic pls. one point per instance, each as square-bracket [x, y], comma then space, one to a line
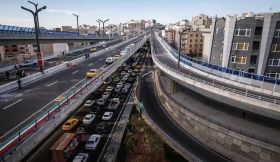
[71, 94]
[232, 74]
[244, 93]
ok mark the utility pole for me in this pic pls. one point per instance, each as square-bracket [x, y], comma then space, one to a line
[77, 17]
[36, 24]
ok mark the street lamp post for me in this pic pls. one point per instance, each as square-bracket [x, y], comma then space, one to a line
[36, 24]
[180, 46]
[103, 23]
[36, 8]
[77, 17]
[98, 26]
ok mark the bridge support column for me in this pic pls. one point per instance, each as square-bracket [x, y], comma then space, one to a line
[2, 53]
[172, 86]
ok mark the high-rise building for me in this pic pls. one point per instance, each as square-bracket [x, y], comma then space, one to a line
[248, 43]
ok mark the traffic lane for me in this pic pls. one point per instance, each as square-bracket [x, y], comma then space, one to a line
[157, 114]
[43, 94]
[49, 63]
[162, 53]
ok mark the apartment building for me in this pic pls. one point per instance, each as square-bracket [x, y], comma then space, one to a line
[169, 36]
[248, 43]
[201, 21]
[191, 44]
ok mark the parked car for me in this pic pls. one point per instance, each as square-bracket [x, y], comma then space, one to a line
[106, 95]
[109, 89]
[133, 74]
[92, 142]
[91, 73]
[107, 115]
[81, 157]
[101, 127]
[101, 101]
[89, 103]
[88, 119]
[114, 103]
[28, 63]
[70, 124]
[109, 60]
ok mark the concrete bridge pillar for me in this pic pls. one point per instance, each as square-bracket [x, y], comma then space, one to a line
[2, 53]
[172, 86]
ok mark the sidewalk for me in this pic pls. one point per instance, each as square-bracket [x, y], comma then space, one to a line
[226, 116]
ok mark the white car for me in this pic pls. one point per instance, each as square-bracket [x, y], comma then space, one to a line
[109, 89]
[101, 101]
[107, 116]
[120, 85]
[81, 157]
[88, 119]
[92, 142]
[89, 103]
[109, 60]
[106, 95]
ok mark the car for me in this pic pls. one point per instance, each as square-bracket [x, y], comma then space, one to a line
[109, 60]
[114, 103]
[101, 127]
[81, 157]
[89, 103]
[116, 57]
[109, 89]
[92, 142]
[124, 64]
[129, 70]
[127, 85]
[118, 89]
[133, 74]
[93, 50]
[106, 95]
[127, 75]
[125, 90]
[108, 81]
[136, 70]
[81, 130]
[91, 73]
[130, 79]
[120, 85]
[122, 80]
[123, 53]
[70, 124]
[126, 68]
[123, 73]
[88, 119]
[107, 115]
[27, 63]
[101, 101]
[116, 80]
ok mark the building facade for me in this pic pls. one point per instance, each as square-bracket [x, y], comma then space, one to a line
[169, 36]
[201, 21]
[248, 43]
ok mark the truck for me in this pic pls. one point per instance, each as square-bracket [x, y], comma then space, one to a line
[114, 103]
[65, 147]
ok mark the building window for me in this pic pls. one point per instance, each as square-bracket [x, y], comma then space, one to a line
[258, 31]
[238, 59]
[217, 30]
[240, 46]
[190, 46]
[191, 35]
[256, 45]
[242, 32]
[277, 33]
[273, 62]
[275, 48]
[196, 35]
[196, 41]
[190, 40]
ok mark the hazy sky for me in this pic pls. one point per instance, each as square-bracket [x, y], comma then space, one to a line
[59, 12]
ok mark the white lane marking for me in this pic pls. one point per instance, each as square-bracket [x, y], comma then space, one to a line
[90, 64]
[75, 72]
[12, 104]
[52, 84]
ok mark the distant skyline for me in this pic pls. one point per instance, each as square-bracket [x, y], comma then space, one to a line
[59, 12]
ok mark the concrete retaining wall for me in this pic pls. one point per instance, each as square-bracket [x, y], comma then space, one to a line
[231, 144]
